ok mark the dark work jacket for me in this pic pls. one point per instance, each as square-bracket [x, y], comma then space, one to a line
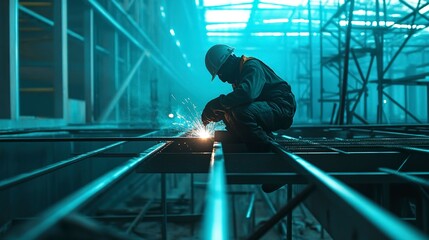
[258, 82]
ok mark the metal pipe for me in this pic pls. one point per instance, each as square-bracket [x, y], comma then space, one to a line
[215, 222]
[25, 177]
[76, 200]
[419, 181]
[282, 213]
[377, 222]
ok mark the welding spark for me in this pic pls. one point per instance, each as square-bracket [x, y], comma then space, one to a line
[190, 119]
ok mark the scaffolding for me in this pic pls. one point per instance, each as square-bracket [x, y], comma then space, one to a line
[363, 40]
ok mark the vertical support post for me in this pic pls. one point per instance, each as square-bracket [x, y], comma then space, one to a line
[60, 60]
[321, 60]
[116, 68]
[310, 55]
[427, 101]
[192, 202]
[289, 216]
[89, 64]
[9, 60]
[379, 45]
[346, 65]
[164, 206]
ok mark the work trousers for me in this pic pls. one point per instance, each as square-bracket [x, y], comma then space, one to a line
[254, 122]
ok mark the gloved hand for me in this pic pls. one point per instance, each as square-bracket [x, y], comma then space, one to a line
[213, 111]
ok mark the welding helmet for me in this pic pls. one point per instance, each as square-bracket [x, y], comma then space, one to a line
[216, 56]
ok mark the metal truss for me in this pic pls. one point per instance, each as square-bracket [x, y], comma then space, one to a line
[358, 46]
[348, 176]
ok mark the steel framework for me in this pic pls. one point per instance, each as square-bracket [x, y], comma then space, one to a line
[334, 176]
[361, 41]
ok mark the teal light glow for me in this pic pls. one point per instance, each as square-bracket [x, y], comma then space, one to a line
[172, 32]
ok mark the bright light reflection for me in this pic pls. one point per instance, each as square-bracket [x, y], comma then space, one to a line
[202, 132]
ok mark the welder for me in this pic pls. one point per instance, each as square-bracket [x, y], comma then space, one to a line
[261, 102]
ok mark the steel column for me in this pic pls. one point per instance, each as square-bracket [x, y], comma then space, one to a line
[89, 61]
[310, 55]
[9, 60]
[344, 85]
[60, 60]
[379, 48]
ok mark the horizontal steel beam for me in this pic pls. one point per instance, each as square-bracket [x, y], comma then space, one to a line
[410, 178]
[198, 162]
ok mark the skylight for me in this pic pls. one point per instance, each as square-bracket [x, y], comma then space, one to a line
[227, 16]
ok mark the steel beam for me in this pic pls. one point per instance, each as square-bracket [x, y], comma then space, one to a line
[59, 211]
[25, 177]
[9, 60]
[60, 60]
[408, 177]
[215, 222]
[89, 63]
[344, 83]
[369, 221]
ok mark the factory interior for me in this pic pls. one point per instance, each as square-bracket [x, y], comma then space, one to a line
[105, 99]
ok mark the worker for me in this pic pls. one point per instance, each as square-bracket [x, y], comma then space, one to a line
[260, 103]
